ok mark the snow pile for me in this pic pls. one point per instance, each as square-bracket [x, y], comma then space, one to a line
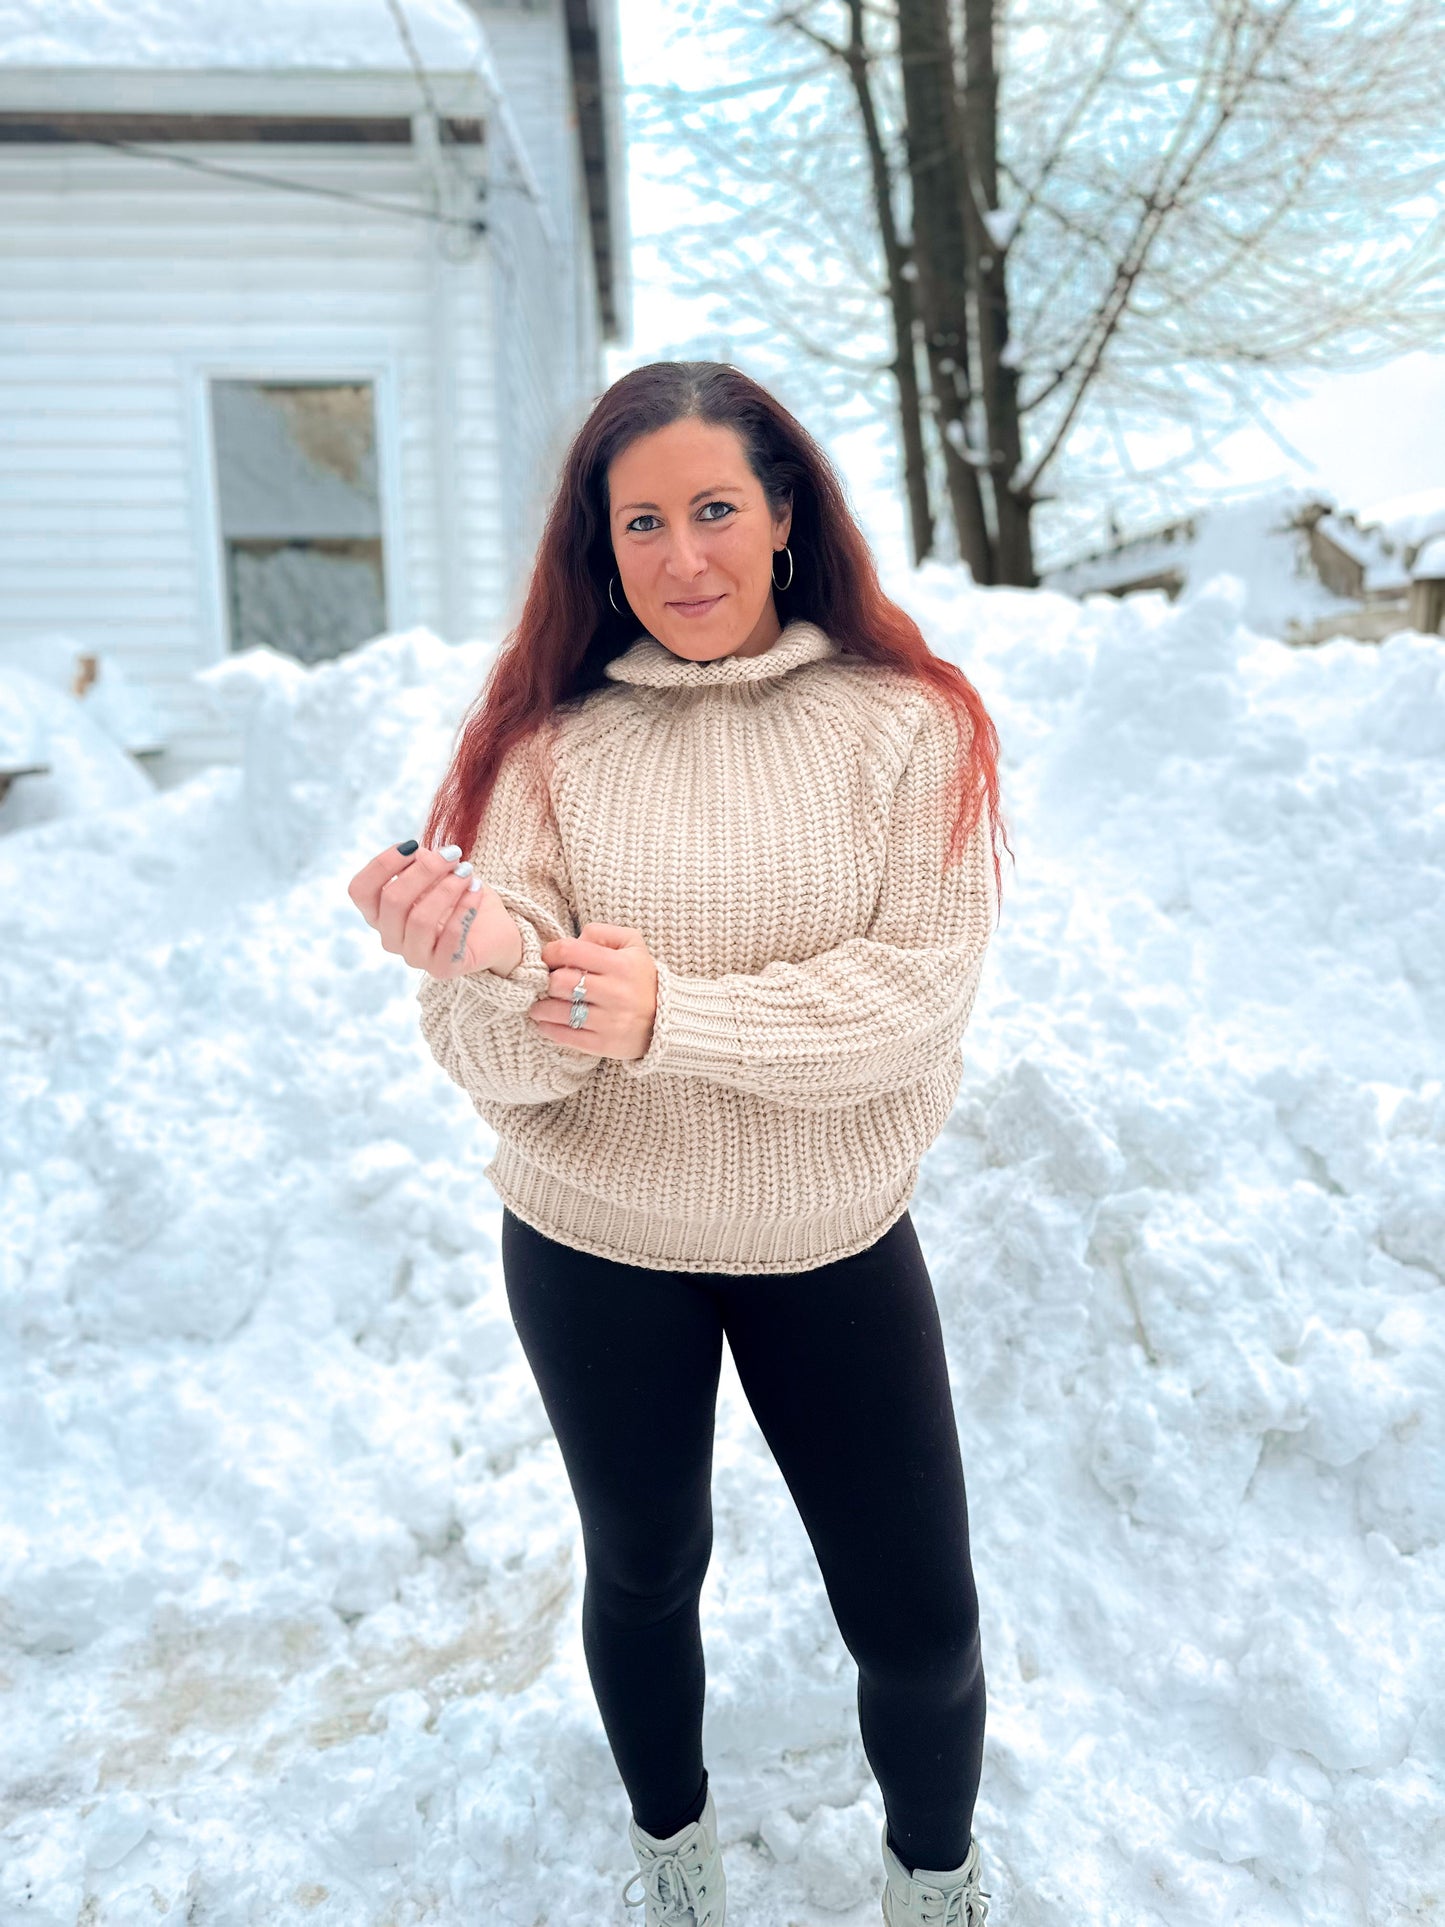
[290, 1576]
[71, 764]
[22, 732]
[74, 748]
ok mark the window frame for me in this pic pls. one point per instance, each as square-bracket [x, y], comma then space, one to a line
[208, 538]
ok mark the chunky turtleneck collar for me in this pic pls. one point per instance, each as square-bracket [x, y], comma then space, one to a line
[651, 662]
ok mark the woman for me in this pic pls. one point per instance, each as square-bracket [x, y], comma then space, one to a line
[706, 973]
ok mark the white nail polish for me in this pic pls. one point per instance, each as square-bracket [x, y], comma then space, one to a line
[476, 884]
[451, 851]
[461, 869]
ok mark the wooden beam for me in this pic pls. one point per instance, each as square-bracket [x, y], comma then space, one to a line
[587, 98]
[209, 129]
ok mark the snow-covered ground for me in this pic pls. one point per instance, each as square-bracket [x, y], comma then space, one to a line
[290, 1575]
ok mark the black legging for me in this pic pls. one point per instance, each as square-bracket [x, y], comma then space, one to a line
[844, 1369]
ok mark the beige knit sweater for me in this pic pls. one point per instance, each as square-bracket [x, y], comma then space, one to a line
[775, 825]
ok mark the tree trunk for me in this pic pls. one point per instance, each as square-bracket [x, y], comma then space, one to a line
[900, 297]
[976, 161]
[940, 253]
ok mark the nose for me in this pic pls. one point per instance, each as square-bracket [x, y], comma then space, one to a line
[686, 559]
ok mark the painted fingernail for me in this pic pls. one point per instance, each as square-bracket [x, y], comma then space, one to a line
[405, 849]
[476, 884]
[462, 870]
[451, 851]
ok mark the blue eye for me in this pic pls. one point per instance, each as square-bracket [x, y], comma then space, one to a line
[703, 516]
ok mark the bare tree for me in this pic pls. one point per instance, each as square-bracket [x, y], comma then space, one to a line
[793, 161]
[856, 59]
[1126, 218]
[934, 140]
[976, 167]
[1219, 193]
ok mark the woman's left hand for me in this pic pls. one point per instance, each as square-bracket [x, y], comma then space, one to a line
[620, 991]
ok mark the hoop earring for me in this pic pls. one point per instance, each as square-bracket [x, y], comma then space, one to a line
[611, 598]
[785, 550]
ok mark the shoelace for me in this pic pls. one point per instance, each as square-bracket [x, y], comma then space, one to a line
[959, 1908]
[679, 1906]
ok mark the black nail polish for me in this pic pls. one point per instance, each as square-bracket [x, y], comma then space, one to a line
[405, 849]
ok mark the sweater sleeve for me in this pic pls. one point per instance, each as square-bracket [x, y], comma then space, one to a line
[476, 1026]
[872, 1014]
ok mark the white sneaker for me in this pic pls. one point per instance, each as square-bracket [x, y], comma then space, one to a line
[929, 1897]
[682, 1876]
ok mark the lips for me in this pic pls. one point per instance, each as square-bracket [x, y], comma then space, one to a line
[697, 605]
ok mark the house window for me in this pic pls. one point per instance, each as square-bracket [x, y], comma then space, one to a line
[296, 481]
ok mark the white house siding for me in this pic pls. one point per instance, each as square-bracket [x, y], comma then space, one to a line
[585, 318]
[124, 280]
[547, 362]
[528, 327]
[529, 48]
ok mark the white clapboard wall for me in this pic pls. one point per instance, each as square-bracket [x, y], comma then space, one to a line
[129, 282]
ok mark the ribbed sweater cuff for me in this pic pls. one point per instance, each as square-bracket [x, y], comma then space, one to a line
[490, 992]
[695, 1029]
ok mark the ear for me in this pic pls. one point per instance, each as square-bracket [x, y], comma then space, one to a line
[782, 524]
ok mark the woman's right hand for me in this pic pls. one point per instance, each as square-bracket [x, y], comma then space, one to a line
[430, 916]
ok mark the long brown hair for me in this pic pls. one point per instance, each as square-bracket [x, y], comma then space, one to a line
[569, 631]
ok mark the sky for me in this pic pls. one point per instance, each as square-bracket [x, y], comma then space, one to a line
[1360, 436]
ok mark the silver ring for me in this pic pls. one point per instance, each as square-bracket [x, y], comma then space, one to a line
[577, 1015]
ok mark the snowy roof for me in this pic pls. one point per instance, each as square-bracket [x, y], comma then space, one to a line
[1407, 519]
[1253, 537]
[1353, 541]
[214, 34]
[1430, 562]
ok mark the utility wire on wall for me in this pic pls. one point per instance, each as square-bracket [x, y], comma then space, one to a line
[513, 180]
[465, 182]
[422, 78]
[405, 210]
[469, 225]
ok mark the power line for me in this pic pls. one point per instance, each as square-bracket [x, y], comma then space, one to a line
[405, 210]
[423, 81]
[446, 148]
[446, 139]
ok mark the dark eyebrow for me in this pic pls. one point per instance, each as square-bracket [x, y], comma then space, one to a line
[719, 488]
